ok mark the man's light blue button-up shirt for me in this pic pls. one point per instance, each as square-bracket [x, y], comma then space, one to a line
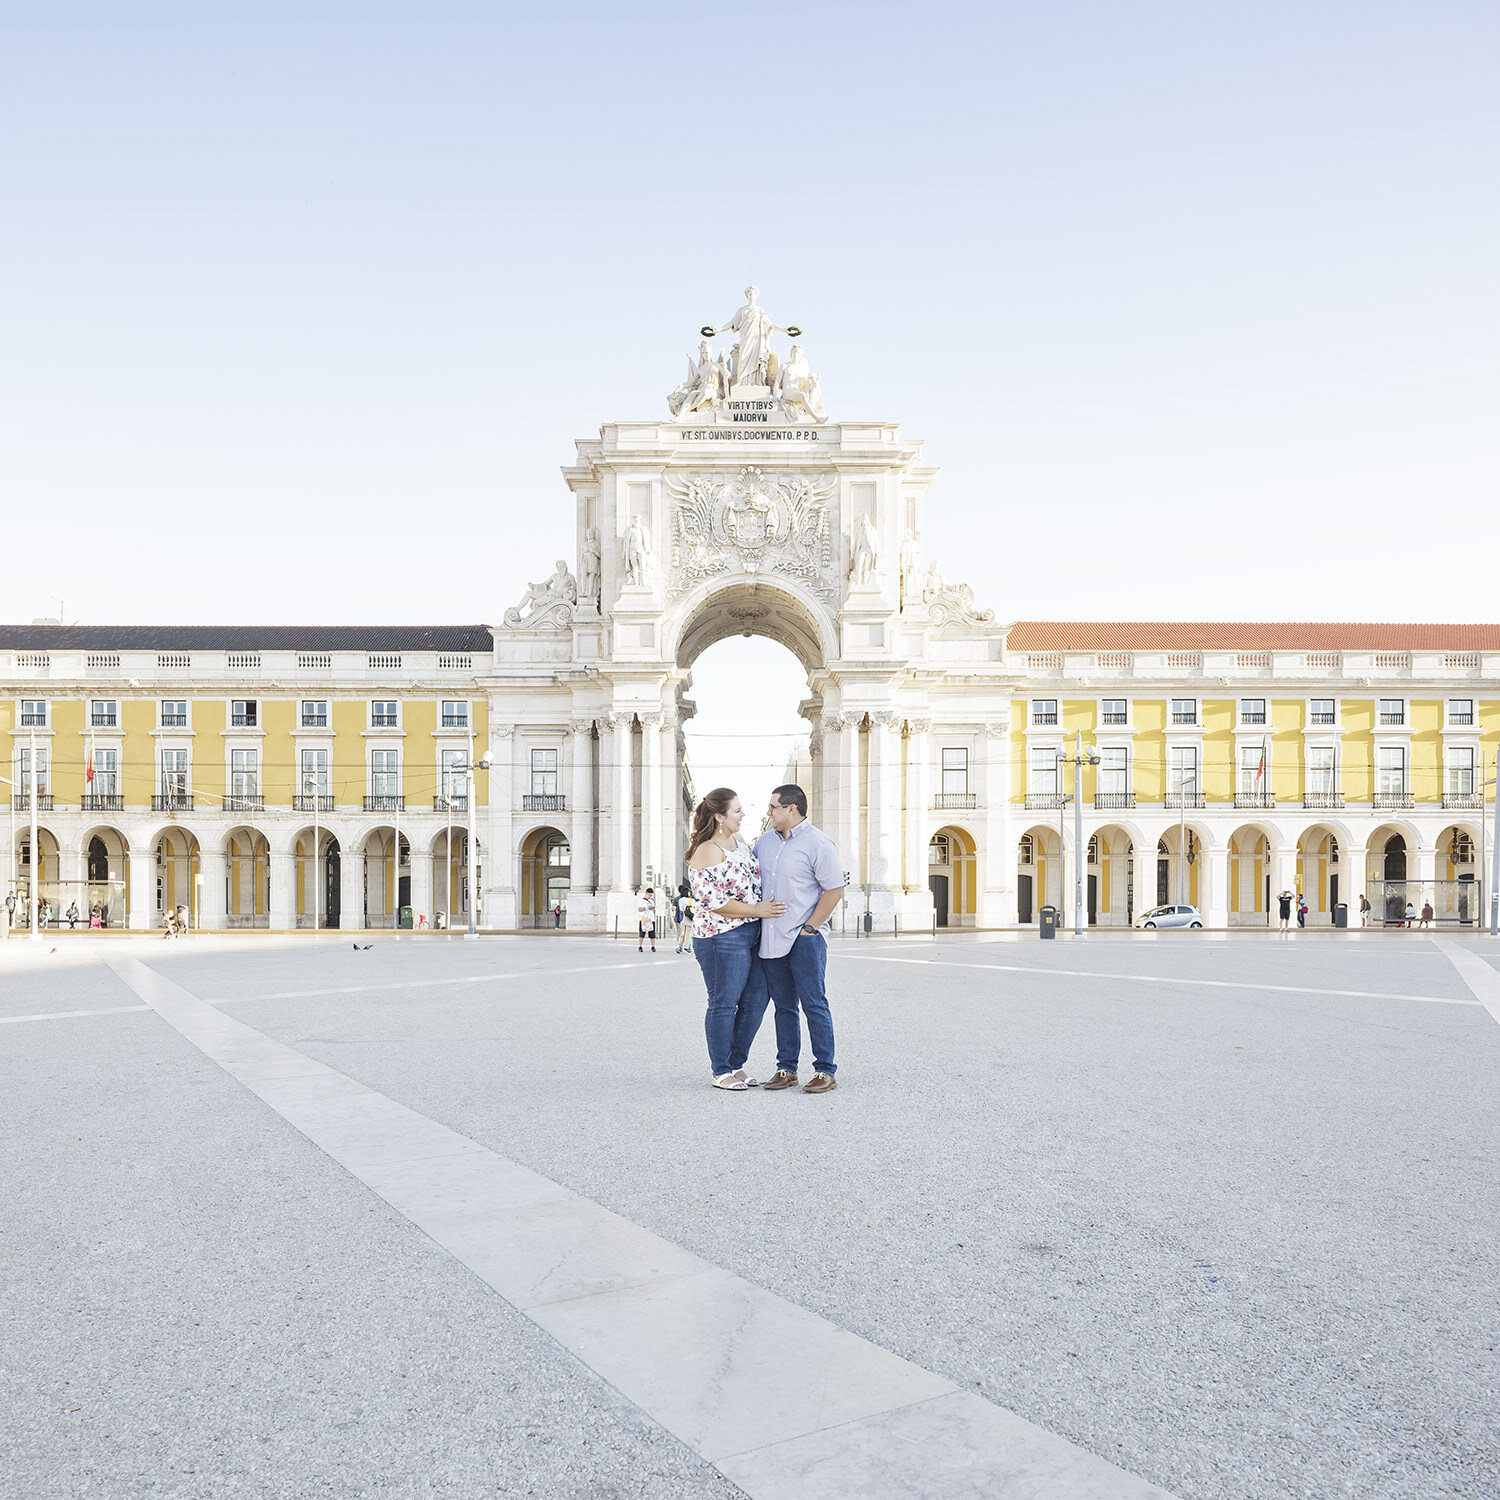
[795, 868]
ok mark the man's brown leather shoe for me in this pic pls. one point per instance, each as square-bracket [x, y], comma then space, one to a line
[780, 1079]
[820, 1083]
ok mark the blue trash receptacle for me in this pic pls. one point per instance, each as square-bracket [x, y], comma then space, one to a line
[1047, 921]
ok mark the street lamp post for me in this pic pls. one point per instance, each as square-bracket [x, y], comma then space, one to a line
[1182, 839]
[10, 882]
[33, 895]
[484, 765]
[1080, 760]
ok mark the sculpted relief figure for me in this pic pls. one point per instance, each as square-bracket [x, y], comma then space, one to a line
[864, 571]
[589, 564]
[799, 389]
[703, 387]
[754, 327]
[911, 571]
[547, 603]
[637, 548]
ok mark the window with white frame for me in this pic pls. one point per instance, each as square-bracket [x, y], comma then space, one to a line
[453, 776]
[315, 771]
[955, 771]
[455, 715]
[174, 713]
[314, 713]
[1253, 768]
[1460, 711]
[1114, 771]
[174, 773]
[1322, 711]
[1320, 770]
[1184, 710]
[43, 765]
[244, 713]
[1182, 771]
[244, 773]
[1392, 711]
[104, 713]
[106, 781]
[1252, 710]
[383, 713]
[1459, 775]
[1390, 771]
[1041, 775]
[385, 773]
[1114, 711]
[33, 713]
[544, 773]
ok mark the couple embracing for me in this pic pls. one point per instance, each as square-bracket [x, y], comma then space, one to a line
[760, 935]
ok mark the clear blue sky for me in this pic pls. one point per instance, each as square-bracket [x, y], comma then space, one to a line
[1195, 305]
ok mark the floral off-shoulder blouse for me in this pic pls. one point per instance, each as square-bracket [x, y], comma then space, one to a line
[735, 878]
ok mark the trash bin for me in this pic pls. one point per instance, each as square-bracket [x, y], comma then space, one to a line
[404, 918]
[869, 923]
[1047, 922]
[1341, 914]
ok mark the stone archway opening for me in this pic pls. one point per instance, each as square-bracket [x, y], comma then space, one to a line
[546, 878]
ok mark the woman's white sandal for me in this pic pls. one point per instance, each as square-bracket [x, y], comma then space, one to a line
[731, 1081]
[746, 1079]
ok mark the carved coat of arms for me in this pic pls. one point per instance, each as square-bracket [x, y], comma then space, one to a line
[751, 524]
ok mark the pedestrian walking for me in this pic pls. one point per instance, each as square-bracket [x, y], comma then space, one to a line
[645, 917]
[684, 917]
[1426, 918]
[1301, 909]
[799, 867]
[1285, 902]
[557, 915]
[1364, 911]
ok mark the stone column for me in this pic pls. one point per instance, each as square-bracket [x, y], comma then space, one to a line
[849, 798]
[142, 878]
[580, 804]
[212, 913]
[283, 915]
[651, 841]
[351, 888]
[1283, 871]
[667, 779]
[885, 800]
[999, 855]
[622, 800]
[1425, 872]
[918, 801]
[1353, 872]
[1213, 885]
[421, 882]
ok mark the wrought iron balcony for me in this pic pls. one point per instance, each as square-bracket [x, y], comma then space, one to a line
[103, 802]
[244, 802]
[21, 801]
[323, 802]
[458, 802]
[954, 801]
[1323, 799]
[1463, 800]
[543, 802]
[1114, 799]
[1183, 799]
[385, 802]
[172, 802]
[1045, 801]
[1392, 800]
[1255, 799]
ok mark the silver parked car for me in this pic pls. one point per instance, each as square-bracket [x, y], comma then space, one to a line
[1171, 916]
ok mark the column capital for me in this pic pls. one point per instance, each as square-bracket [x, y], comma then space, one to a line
[997, 729]
[919, 726]
[580, 726]
[502, 731]
[614, 721]
[883, 718]
[650, 721]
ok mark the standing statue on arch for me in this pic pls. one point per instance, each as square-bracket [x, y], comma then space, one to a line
[755, 363]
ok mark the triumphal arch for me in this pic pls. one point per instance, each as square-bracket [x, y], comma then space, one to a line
[747, 508]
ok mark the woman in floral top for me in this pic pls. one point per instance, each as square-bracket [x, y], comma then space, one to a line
[725, 880]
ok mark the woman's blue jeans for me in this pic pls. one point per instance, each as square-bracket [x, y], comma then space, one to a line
[736, 994]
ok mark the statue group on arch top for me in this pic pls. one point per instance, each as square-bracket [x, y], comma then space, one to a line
[749, 370]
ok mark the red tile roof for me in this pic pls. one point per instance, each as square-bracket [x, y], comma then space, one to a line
[1276, 635]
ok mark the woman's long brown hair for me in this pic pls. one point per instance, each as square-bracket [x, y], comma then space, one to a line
[713, 806]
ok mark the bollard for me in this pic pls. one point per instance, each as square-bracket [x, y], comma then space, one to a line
[896, 927]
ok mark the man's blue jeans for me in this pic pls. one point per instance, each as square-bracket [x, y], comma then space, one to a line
[797, 977]
[736, 981]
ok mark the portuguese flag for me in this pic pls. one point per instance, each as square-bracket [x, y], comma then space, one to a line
[1260, 770]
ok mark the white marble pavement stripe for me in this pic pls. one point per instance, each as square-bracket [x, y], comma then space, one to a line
[1212, 984]
[59, 1015]
[1475, 972]
[783, 1402]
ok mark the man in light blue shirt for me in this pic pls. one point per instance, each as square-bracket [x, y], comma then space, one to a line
[799, 865]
